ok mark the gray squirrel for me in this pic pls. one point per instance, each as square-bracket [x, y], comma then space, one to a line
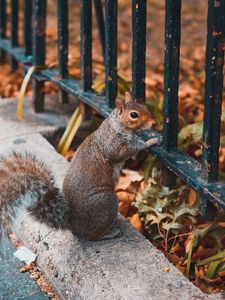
[88, 204]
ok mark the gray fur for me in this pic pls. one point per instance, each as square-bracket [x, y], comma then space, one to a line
[27, 184]
[89, 183]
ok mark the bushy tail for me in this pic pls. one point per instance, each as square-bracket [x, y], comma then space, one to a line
[27, 184]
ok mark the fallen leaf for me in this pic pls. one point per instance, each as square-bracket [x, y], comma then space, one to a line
[23, 270]
[192, 197]
[166, 269]
[133, 175]
[123, 209]
[123, 183]
[126, 197]
[135, 220]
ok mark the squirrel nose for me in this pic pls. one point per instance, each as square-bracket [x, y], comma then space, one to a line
[148, 124]
[152, 122]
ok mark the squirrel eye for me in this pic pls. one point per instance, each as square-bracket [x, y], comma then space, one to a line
[134, 115]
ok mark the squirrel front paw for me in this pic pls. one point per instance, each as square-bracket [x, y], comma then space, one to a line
[155, 141]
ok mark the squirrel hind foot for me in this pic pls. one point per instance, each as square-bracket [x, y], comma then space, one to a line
[112, 233]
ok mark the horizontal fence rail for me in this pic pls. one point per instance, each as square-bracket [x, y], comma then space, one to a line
[203, 176]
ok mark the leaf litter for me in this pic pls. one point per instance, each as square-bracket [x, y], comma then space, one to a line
[170, 219]
[34, 271]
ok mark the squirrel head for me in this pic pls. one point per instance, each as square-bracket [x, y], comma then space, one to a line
[133, 115]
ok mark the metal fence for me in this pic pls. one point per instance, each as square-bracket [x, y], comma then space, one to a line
[203, 175]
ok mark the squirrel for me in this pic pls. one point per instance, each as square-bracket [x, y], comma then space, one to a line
[87, 204]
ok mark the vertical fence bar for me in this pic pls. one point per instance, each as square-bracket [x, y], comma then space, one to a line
[213, 87]
[27, 26]
[101, 24]
[2, 25]
[138, 48]
[3, 19]
[111, 51]
[171, 77]
[86, 44]
[63, 42]
[14, 30]
[39, 51]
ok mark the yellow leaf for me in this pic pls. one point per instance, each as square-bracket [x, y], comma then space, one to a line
[70, 131]
[166, 269]
[23, 270]
[22, 92]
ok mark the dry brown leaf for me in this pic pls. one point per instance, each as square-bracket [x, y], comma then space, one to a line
[133, 175]
[123, 183]
[175, 259]
[189, 242]
[126, 197]
[192, 197]
[124, 208]
[69, 154]
[23, 270]
[166, 269]
[203, 253]
[221, 224]
[135, 220]
[205, 287]
[221, 274]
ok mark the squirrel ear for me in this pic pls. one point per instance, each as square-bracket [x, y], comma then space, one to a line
[128, 97]
[120, 104]
[139, 101]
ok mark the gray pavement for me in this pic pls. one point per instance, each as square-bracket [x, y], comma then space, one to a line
[13, 284]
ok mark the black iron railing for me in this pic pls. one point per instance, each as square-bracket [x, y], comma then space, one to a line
[203, 176]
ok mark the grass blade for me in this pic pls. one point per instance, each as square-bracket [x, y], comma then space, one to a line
[211, 258]
[212, 269]
[70, 131]
[22, 92]
[187, 271]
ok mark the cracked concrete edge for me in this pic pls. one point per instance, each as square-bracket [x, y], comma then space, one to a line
[124, 268]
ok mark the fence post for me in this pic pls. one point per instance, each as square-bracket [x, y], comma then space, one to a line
[213, 87]
[2, 25]
[86, 44]
[138, 48]
[171, 74]
[111, 51]
[171, 82]
[39, 51]
[27, 26]
[101, 24]
[63, 43]
[14, 31]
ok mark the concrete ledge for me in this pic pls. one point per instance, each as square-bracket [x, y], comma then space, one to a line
[124, 268]
[54, 118]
